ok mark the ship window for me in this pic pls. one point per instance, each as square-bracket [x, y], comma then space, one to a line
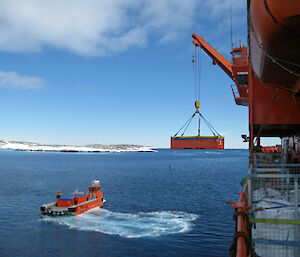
[242, 79]
[237, 54]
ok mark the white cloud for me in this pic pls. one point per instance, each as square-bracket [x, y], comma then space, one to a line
[90, 27]
[15, 80]
[101, 27]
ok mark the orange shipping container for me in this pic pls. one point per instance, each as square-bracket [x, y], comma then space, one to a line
[198, 142]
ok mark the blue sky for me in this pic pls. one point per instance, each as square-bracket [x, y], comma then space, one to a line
[80, 72]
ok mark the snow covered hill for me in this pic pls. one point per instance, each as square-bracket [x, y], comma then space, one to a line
[94, 148]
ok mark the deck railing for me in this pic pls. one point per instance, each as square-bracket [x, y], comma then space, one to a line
[274, 197]
[240, 98]
[269, 158]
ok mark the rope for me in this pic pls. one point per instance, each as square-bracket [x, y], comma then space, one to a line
[276, 221]
[277, 242]
[184, 125]
[279, 97]
[275, 59]
[244, 214]
[199, 126]
[274, 202]
[233, 247]
[211, 128]
[188, 124]
[266, 115]
[247, 236]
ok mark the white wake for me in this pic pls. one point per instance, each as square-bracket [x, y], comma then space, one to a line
[150, 224]
[214, 152]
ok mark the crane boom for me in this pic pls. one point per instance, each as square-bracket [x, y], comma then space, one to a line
[215, 55]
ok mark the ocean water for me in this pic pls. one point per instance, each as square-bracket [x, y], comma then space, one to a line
[165, 203]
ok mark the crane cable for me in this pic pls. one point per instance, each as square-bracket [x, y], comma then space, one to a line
[197, 69]
[197, 84]
[188, 122]
[211, 128]
[195, 62]
[230, 16]
[199, 72]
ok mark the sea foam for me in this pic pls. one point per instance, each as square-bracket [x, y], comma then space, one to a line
[129, 225]
[213, 152]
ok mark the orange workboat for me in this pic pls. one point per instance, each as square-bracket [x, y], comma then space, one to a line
[75, 203]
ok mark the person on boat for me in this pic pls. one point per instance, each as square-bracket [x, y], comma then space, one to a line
[75, 199]
[58, 194]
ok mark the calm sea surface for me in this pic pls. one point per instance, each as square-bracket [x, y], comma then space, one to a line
[166, 203]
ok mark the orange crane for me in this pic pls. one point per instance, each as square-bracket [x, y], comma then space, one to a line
[237, 71]
[215, 55]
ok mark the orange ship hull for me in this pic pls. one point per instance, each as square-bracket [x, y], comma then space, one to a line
[197, 142]
[274, 42]
[86, 206]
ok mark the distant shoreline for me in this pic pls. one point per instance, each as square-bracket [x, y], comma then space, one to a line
[93, 148]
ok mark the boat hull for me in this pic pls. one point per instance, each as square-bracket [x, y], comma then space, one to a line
[52, 209]
[75, 204]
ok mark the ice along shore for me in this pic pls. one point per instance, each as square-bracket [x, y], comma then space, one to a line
[92, 148]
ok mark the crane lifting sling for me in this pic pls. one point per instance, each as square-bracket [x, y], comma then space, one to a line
[198, 142]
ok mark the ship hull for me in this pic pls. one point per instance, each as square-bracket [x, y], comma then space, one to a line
[274, 42]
